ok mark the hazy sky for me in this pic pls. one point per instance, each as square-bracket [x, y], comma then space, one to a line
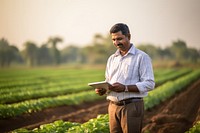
[159, 22]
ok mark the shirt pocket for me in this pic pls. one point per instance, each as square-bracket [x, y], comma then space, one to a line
[130, 71]
[126, 68]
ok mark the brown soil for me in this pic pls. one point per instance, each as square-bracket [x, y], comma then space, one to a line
[176, 115]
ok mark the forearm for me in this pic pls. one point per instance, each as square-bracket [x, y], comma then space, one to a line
[131, 88]
[117, 87]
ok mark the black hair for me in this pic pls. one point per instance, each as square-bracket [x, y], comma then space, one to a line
[120, 27]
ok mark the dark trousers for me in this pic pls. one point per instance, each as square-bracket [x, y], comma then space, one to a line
[126, 118]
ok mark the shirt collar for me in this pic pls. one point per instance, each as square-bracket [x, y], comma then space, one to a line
[131, 51]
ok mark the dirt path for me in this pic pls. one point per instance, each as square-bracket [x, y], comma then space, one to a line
[179, 114]
[179, 111]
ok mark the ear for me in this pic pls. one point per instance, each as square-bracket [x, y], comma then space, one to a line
[129, 36]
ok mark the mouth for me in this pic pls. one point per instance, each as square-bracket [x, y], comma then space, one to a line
[120, 45]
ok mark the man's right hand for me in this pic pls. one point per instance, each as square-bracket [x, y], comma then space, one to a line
[100, 91]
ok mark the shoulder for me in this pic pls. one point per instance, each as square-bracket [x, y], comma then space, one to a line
[137, 52]
[114, 55]
[141, 54]
[111, 58]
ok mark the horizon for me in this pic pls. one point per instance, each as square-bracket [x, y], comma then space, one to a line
[157, 22]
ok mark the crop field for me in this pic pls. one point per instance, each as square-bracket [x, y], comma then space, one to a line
[59, 100]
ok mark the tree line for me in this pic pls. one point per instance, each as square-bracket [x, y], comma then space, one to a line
[97, 52]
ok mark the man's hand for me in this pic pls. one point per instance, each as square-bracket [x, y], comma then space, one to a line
[100, 91]
[117, 87]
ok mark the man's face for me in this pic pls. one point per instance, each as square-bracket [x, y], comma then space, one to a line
[121, 41]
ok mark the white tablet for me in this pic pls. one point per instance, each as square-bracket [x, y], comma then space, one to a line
[101, 84]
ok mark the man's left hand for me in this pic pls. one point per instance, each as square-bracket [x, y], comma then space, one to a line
[117, 87]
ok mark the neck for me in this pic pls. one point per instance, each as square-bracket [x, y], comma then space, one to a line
[125, 51]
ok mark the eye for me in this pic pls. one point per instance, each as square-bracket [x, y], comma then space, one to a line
[119, 39]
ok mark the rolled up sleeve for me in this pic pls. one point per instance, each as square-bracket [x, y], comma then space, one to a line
[146, 82]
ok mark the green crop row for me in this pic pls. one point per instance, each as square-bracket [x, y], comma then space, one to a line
[39, 85]
[96, 125]
[155, 97]
[11, 81]
[35, 94]
[55, 127]
[60, 88]
[168, 89]
[14, 78]
[160, 79]
[160, 72]
[65, 85]
[46, 82]
[15, 109]
[29, 106]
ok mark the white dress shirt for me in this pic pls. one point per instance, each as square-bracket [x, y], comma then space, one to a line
[134, 68]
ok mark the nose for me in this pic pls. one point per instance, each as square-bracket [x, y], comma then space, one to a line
[116, 42]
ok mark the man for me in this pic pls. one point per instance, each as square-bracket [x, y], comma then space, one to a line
[130, 73]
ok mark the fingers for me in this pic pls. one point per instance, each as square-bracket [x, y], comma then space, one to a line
[117, 87]
[100, 91]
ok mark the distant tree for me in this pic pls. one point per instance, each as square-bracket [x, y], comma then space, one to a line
[44, 56]
[71, 54]
[98, 39]
[8, 53]
[30, 53]
[110, 48]
[151, 50]
[193, 55]
[53, 41]
[89, 54]
[15, 54]
[4, 52]
[166, 53]
[179, 50]
[99, 50]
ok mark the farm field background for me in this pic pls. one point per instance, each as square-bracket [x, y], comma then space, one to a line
[29, 91]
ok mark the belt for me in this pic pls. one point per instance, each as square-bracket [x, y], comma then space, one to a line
[126, 101]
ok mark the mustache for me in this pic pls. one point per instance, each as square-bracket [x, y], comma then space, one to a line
[120, 45]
